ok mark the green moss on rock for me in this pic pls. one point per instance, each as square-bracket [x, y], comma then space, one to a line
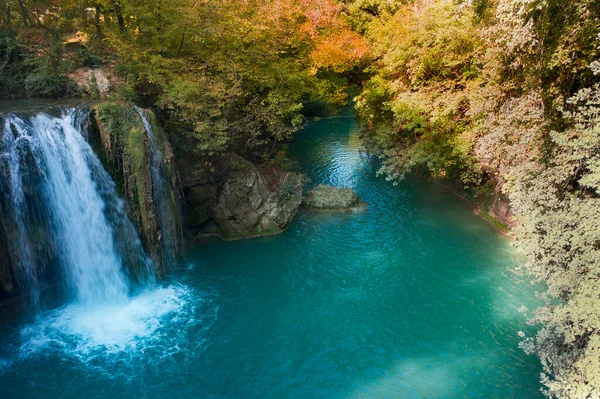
[125, 152]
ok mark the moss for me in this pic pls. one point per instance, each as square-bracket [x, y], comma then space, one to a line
[493, 221]
[119, 118]
[124, 139]
[125, 146]
[136, 155]
[135, 149]
[234, 236]
[115, 122]
[236, 164]
[159, 133]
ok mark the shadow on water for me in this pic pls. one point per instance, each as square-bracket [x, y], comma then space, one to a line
[413, 298]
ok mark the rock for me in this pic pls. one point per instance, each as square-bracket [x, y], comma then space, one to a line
[500, 209]
[96, 82]
[120, 139]
[200, 201]
[256, 201]
[325, 198]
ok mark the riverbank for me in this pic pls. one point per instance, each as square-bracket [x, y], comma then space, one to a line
[485, 206]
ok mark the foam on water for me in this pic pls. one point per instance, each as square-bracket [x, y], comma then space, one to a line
[130, 327]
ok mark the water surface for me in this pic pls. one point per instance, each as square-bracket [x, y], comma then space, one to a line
[414, 298]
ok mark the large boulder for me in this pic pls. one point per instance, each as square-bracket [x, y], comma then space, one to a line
[256, 201]
[328, 198]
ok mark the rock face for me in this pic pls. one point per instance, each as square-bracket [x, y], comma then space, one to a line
[200, 189]
[328, 198]
[497, 211]
[95, 82]
[121, 140]
[255, 201]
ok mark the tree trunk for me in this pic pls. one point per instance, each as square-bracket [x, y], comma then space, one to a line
[119, 13]
[181, 42]
[23, 13]
[97, 20]
[272, 149]
[8, 21]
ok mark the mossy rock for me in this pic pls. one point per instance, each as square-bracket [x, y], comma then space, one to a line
[328, 198]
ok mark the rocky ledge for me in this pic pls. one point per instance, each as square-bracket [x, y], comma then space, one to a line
[256, 201]
[328, 198]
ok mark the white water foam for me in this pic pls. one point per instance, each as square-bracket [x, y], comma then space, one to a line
[129, 328]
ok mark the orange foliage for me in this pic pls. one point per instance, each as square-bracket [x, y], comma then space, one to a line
[321, 22]
[320, 14]
[336, 46]
[339, 50]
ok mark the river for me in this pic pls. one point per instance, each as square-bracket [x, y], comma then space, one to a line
[416, 297]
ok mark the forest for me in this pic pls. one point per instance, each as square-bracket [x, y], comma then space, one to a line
[494, 97]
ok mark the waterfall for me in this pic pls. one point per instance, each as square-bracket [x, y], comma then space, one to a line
[161, 195]
[16, 220]
[60, 208]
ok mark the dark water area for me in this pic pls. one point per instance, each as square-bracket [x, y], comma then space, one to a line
[415, 297]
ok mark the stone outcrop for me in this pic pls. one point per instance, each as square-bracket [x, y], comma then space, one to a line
[496, 210]
[200, 188]
[255, 201]
[120, 139]
[232, 198]
[95, 82]
[328, 198]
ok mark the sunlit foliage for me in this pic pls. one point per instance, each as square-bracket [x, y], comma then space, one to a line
[505, 91]
[221, 72]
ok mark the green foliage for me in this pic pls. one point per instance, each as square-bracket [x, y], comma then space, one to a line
[12, 69]
[415, 107]
[33, 71]
[47, 78]
[223, 75]
[230, 75]
[362, 12]
[280, 160]
[87, 58]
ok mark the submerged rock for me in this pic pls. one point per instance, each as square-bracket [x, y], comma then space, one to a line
[256, 201]
[328, 198]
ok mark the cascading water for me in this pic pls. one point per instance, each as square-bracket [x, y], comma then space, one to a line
[413, 298]
[64, 223]
[14, 217]
[76, 194]
[160, 194]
